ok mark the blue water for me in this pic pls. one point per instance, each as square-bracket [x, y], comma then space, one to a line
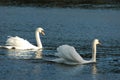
[73, 26]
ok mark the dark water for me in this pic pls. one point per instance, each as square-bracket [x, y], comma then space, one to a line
[73, 26]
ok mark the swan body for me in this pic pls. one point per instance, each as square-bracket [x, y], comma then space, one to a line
[68, 55]
[20, 43]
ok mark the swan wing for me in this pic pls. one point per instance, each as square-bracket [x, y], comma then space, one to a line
[18, 42]
[68, 53]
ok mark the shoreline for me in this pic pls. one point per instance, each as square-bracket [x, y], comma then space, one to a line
[58, 3]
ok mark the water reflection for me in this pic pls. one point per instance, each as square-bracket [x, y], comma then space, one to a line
[24, 54]
[94, 72]
[78, 71]
[94, 69]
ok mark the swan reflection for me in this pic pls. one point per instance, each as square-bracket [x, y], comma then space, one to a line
[83, 68]
[24, 54]
[94, 72]
[38, 54]
[94, 69]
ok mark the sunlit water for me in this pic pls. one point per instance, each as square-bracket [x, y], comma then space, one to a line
[73, 26]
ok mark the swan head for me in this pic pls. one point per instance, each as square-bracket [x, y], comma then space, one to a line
[40, 30]
[96, 41]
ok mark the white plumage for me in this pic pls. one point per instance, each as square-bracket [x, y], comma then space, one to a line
[68, 55]
[20, 43]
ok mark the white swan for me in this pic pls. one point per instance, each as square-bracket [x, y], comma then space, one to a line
[68, 55]
[20, 43]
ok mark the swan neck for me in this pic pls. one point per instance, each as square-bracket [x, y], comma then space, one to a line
[94, 52]
[39, 44]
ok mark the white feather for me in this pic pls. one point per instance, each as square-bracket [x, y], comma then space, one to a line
[69, 53]
[19, 43]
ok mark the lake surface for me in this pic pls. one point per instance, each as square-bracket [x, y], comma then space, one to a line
[74, 26]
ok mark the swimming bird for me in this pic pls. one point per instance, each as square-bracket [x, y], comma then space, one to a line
[20, 43]
[68, 55]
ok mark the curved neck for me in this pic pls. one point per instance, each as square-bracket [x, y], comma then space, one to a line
[93, 52]
[39, 44]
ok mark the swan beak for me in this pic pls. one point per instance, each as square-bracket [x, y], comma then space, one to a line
[99, 43]
[43, 33]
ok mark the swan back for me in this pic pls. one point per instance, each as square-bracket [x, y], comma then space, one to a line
[69, 54]
[19, 43]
